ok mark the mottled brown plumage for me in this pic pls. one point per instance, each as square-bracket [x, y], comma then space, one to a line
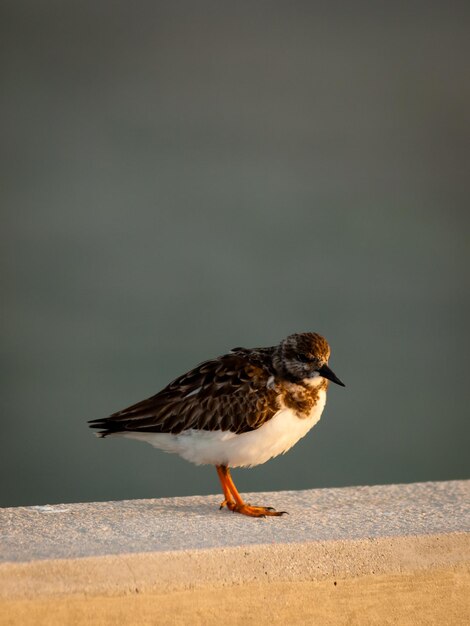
[224, 390]
[236, 392]
[300, 398]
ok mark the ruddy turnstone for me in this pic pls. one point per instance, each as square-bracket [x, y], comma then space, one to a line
[237, 410]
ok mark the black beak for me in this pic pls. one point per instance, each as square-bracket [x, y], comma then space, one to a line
[327, 373]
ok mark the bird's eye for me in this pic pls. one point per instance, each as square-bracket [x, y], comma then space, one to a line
[303, 358]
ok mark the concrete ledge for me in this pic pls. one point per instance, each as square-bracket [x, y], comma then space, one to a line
[394, 549]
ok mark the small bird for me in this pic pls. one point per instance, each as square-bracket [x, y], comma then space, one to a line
[237, 410]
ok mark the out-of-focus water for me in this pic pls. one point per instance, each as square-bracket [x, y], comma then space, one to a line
[179, 179]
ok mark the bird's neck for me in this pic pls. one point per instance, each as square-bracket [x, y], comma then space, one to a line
[302, 397]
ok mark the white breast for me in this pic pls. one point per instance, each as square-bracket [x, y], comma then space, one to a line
[219, 447]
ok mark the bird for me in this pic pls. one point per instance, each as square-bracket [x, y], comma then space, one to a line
[237, 410]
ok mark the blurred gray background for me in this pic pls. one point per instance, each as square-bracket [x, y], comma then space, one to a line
[179, 178]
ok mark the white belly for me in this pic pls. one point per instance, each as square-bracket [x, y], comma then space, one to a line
[219, 447]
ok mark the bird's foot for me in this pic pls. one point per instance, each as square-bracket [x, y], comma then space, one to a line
[226, 503]
[252, 511]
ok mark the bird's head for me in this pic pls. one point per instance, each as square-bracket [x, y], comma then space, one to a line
[304, 357]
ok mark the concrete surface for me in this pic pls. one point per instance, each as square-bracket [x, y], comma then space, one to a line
[409, 599]
[383, 548]
[175, 524]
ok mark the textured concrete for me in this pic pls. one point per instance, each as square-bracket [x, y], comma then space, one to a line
[397, 554]
[176, 524]
[426, 598]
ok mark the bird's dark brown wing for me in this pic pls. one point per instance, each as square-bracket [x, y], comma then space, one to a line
[229, 393]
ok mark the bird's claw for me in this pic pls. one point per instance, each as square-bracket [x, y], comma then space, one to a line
[253, 511]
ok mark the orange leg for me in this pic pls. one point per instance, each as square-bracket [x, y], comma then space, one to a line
[234, 501]
[227, 495]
